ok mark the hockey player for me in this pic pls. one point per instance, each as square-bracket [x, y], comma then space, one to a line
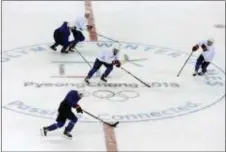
[108, 58]
[80, 25]
[61, 37]
[64, 113]
[206, 57]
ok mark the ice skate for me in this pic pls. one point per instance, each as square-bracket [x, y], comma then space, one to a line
[103, 79]
[67, 135]
[44, 131]
[195, 73]
[63, 51]
[87, 80]
[53, 48]
[71, 50]
[201, 73]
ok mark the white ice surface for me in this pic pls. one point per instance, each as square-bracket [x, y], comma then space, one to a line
[177, 25]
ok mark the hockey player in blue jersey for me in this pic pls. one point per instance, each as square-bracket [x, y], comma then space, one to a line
[61, 37]
[65, 112]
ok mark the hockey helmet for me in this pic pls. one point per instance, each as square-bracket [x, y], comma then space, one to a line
[210, 41]
[116, 48]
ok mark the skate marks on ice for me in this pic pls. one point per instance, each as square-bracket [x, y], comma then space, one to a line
[169, 96]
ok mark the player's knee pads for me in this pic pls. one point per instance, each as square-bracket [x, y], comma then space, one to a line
[197, 66]
[205, 65]
[82, 38]
[74, 120]
[60, 124]
[96, 67]
[109, 68]
[198, 63]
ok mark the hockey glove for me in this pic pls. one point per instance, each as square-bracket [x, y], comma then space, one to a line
[89, 27]
[195, 48]
[204, 47]
[117, 63]
[79, 109]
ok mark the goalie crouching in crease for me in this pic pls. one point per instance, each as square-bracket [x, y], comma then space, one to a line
[65, 112]
[108, 58]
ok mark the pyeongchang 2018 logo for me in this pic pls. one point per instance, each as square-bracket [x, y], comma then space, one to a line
[120, 93]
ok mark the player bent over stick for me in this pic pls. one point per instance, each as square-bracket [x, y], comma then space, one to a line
[206, 57]
[61, 37]
[61, 34]
[64, 113]
[108, 58]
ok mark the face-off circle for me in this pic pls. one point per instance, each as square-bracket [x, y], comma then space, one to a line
[47, 78]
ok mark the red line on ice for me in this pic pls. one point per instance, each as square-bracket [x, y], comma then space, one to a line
[109, 133]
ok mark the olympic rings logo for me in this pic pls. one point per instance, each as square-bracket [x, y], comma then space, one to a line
[109, 95]
[116, 96]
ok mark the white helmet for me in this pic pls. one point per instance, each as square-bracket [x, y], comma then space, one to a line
[80, 93]
[211, 40]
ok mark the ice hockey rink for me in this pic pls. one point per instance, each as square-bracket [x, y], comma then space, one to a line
[182, 113]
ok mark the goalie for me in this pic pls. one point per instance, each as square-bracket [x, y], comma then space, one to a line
[108, 58]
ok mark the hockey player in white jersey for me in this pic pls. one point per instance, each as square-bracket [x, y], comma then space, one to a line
[108, 58]
[206, 57]
[78, 27]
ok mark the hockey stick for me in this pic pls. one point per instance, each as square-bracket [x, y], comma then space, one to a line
[107, 123]
[104, 36]
[98, 72]
[84, 58]
[126, 59]
[147, 85]
[184, 64]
